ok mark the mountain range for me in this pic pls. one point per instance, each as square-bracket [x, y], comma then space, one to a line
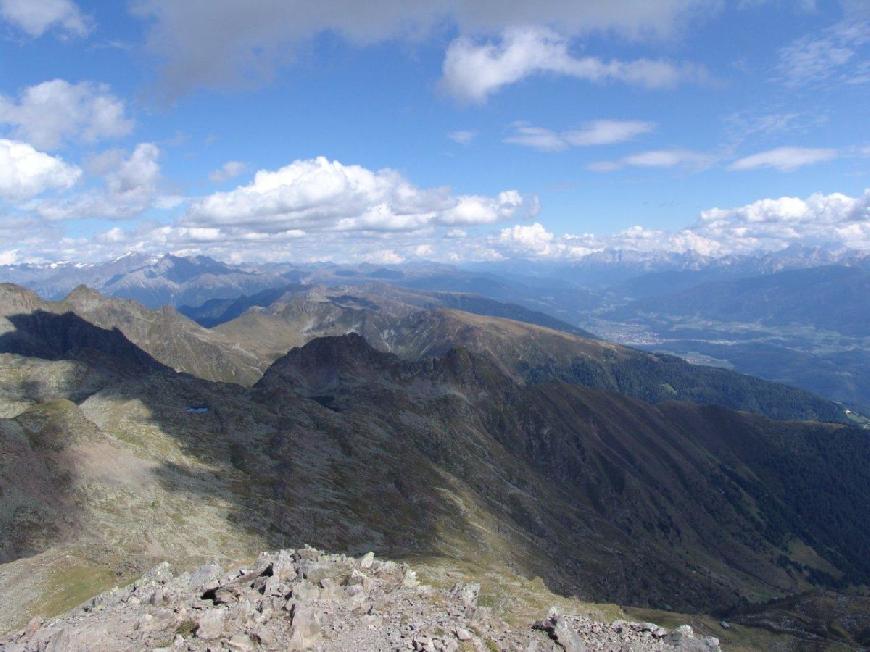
[154, 281]
[375, 417]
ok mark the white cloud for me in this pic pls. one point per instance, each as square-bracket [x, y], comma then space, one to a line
[607, 132]
[320, 195]
[220, 42]
[659, 158]
[666, 158]
[53, 112]
[784, 159]
[463, 136]
[26, 172]
[596, 132]
[835, 220]
[228, 170]
[770, 224]
[835, 54]
[137, 175]
[35, 17]
[130, 187]
[472, 71]
[383, 257]
[538, 138]
[476, 209]
[766, 225]
[533, 238]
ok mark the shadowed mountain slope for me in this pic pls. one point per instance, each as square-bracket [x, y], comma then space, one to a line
[389, 321]
[393, 320]
[169, 337]
[629, 462]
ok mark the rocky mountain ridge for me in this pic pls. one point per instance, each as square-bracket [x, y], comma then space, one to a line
[170, 338]
[394, 321]
[408, 325]
[296, 600]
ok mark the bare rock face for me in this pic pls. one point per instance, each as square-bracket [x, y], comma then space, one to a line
[300, 600]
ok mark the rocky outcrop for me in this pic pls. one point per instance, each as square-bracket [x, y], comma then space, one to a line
[295, 600]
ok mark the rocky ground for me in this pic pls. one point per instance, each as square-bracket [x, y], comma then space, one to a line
[306, 600]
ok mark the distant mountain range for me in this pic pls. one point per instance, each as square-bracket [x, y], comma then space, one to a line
[151, 280]
[193, 280]
[796, 316]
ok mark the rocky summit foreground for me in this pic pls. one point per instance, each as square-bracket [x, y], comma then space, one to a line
[303, 599]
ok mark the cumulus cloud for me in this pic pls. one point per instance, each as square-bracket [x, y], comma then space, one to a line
[35, 17]
[532, 238]
[130, 186]
[26, 172]
[227, 171]
[832, 220]
[472, 71]
[285, 214]
[318, 195]
[220, 42]
[596, 132]
[767, 225]
[784, 159]
[535, 241]
[53, 112]
[770, 224]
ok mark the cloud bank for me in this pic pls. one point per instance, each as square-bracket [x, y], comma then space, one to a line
[337, 222]
[833, 220]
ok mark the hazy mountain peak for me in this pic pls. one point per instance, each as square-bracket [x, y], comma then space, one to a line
[14, 298]
[82, 295]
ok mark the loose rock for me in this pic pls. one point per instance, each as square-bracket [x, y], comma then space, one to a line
[305, 600]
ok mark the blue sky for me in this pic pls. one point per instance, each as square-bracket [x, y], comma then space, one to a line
[462, 131]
